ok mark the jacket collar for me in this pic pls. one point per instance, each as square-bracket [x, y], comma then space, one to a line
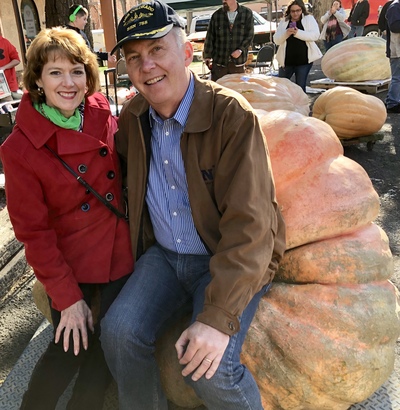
[40, 130]
[198, 120]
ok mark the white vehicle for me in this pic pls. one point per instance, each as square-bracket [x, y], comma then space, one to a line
[263, 30]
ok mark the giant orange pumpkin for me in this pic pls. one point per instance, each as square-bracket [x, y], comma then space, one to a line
[324, 336]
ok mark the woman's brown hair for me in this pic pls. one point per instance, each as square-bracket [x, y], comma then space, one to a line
[54, 43]
[295, 3]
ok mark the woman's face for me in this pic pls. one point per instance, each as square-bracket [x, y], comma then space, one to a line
[336, 5]
[80, 21]
[64, 84]
[295, 12]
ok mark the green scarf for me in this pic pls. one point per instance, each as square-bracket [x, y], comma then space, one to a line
[55, 116]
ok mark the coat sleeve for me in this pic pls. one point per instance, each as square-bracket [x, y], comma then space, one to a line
[311, 30]
[210, 39]
[26, 204]
[325, 17]
[252, 230]
[393, 19]
[340, 15]
[280, 35]
[247, 40]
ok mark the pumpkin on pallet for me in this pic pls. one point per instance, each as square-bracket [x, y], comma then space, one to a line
[349, 112]
[357, 59]
[268, 93]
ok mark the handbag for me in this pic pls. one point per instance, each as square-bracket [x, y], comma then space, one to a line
[111, 207]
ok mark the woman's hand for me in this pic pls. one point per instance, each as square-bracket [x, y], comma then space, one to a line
[76, 319]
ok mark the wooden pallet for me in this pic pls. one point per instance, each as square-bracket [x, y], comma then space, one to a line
[369, 87]
[369, 139]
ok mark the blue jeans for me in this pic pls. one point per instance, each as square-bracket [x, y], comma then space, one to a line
[356, 31]
[328, 44]
[161, 286]
[393, 95]
[300, 71]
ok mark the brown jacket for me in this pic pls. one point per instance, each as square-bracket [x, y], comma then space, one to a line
[231, 192]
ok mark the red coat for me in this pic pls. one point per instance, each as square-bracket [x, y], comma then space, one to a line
[70, 237]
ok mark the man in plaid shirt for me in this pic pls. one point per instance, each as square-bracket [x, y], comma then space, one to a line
[229, 35]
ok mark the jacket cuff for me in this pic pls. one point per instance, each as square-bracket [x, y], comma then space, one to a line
[65, 294]
[219, 319]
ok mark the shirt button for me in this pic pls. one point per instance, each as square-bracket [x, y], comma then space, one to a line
[231, 326]
[82, 168]
[85, 207]
[174, 213]
[173, 187]
[166, 162]
[109, 197]
[178, 240]
[167, 133]
[103, 152]
[110, 174]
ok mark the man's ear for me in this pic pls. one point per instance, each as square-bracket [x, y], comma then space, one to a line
[188, 53]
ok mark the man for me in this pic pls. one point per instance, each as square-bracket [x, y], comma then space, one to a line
[9, 59]
[229, 35]
[357, 17]
[77, 20]
[393, 53]
[202, 208]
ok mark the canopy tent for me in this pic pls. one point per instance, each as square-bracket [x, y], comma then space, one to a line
[201, 4]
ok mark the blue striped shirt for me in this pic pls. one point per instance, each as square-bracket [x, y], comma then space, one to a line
[167, 193]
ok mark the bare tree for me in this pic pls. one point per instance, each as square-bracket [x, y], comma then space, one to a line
[320, 7]
[57, 14]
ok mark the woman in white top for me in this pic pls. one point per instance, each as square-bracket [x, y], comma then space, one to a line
[296, 36]
[334, 28]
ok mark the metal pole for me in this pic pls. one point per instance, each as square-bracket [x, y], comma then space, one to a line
[20, 30]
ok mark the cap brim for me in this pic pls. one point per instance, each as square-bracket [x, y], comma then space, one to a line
[148, 35]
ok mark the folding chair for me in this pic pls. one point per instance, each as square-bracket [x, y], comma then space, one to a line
[265, 59]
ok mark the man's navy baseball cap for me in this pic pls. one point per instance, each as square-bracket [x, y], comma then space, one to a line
[150, 20]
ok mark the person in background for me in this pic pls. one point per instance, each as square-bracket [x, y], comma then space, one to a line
[334, 28]
[382, 24]
[77, 20]
[229, 35]
[393, 53]
[296, 36]
[357, 18]
[9, 59]
[202, 209]
[77, 247]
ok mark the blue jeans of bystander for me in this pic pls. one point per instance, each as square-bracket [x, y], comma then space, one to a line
[328, 44]
[356, 31]
[393, 95]
[300, 71]
[162, 284]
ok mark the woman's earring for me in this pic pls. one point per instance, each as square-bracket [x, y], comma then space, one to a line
[40, 91]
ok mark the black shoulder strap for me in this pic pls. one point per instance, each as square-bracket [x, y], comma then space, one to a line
[111, 207]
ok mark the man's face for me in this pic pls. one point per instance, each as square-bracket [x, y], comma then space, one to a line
[229, 5]
[158, 70]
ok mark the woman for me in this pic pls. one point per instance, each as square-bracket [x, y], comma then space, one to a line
[358, 17]
[76, 245]
[296, 35]
[334, 28]
[77, 20]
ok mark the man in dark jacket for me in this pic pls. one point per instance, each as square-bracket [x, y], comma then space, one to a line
[393, 53]
[229, 35]
[358, 16]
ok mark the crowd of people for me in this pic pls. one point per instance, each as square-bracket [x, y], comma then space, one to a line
[171, 209]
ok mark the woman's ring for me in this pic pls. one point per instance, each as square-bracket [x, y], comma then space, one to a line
[207, 360]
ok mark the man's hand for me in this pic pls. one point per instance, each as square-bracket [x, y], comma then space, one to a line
[200, 348]
[208, 63]
[236, 53]
[75, 319]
